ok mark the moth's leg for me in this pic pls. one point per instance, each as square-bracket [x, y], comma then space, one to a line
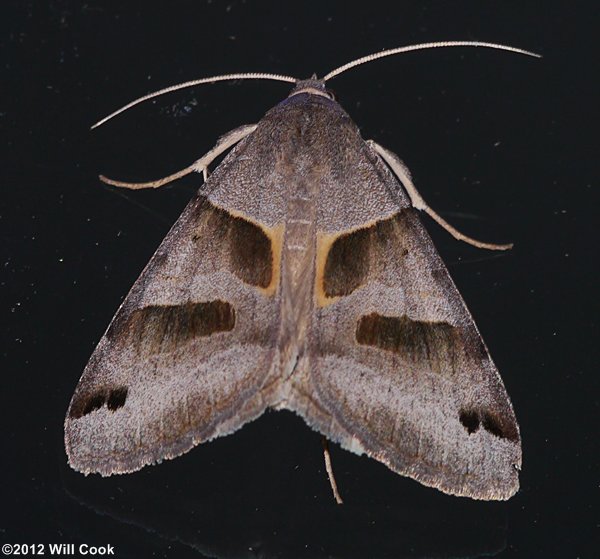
[403, 174]
[329, 469]
[223, 144]
[201, 165]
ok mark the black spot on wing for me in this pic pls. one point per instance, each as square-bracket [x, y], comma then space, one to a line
[470, 420]
[497, 423]
[84, 404]
[116, 398]
[496, 426]
[93, 403]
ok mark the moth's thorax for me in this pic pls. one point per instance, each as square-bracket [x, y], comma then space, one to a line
[309, 127]
[304, 121]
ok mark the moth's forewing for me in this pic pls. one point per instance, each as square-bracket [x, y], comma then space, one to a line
[392, 363]
[187, 354]
[402, 369]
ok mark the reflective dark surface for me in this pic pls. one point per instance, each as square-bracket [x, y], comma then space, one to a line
[502, 146]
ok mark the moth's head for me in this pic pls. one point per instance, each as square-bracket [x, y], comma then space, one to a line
[312, 86]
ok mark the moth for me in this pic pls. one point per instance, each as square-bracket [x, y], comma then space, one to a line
[300, 277]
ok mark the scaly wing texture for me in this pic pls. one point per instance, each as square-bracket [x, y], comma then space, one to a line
[400, 367]
[182, 361]
[395, 366]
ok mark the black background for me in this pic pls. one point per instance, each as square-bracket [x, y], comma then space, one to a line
[499, 144]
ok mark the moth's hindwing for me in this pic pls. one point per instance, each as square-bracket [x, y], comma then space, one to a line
[182, 361]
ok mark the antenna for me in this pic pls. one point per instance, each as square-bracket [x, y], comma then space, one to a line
[224, 77]
[330, 75]
[423, 46]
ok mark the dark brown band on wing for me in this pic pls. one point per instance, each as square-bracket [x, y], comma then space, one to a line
[350, 255]
[151, 330]
[413, 339]
[162, 328]
[251, 252]
[249, 248]
[347, 263]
